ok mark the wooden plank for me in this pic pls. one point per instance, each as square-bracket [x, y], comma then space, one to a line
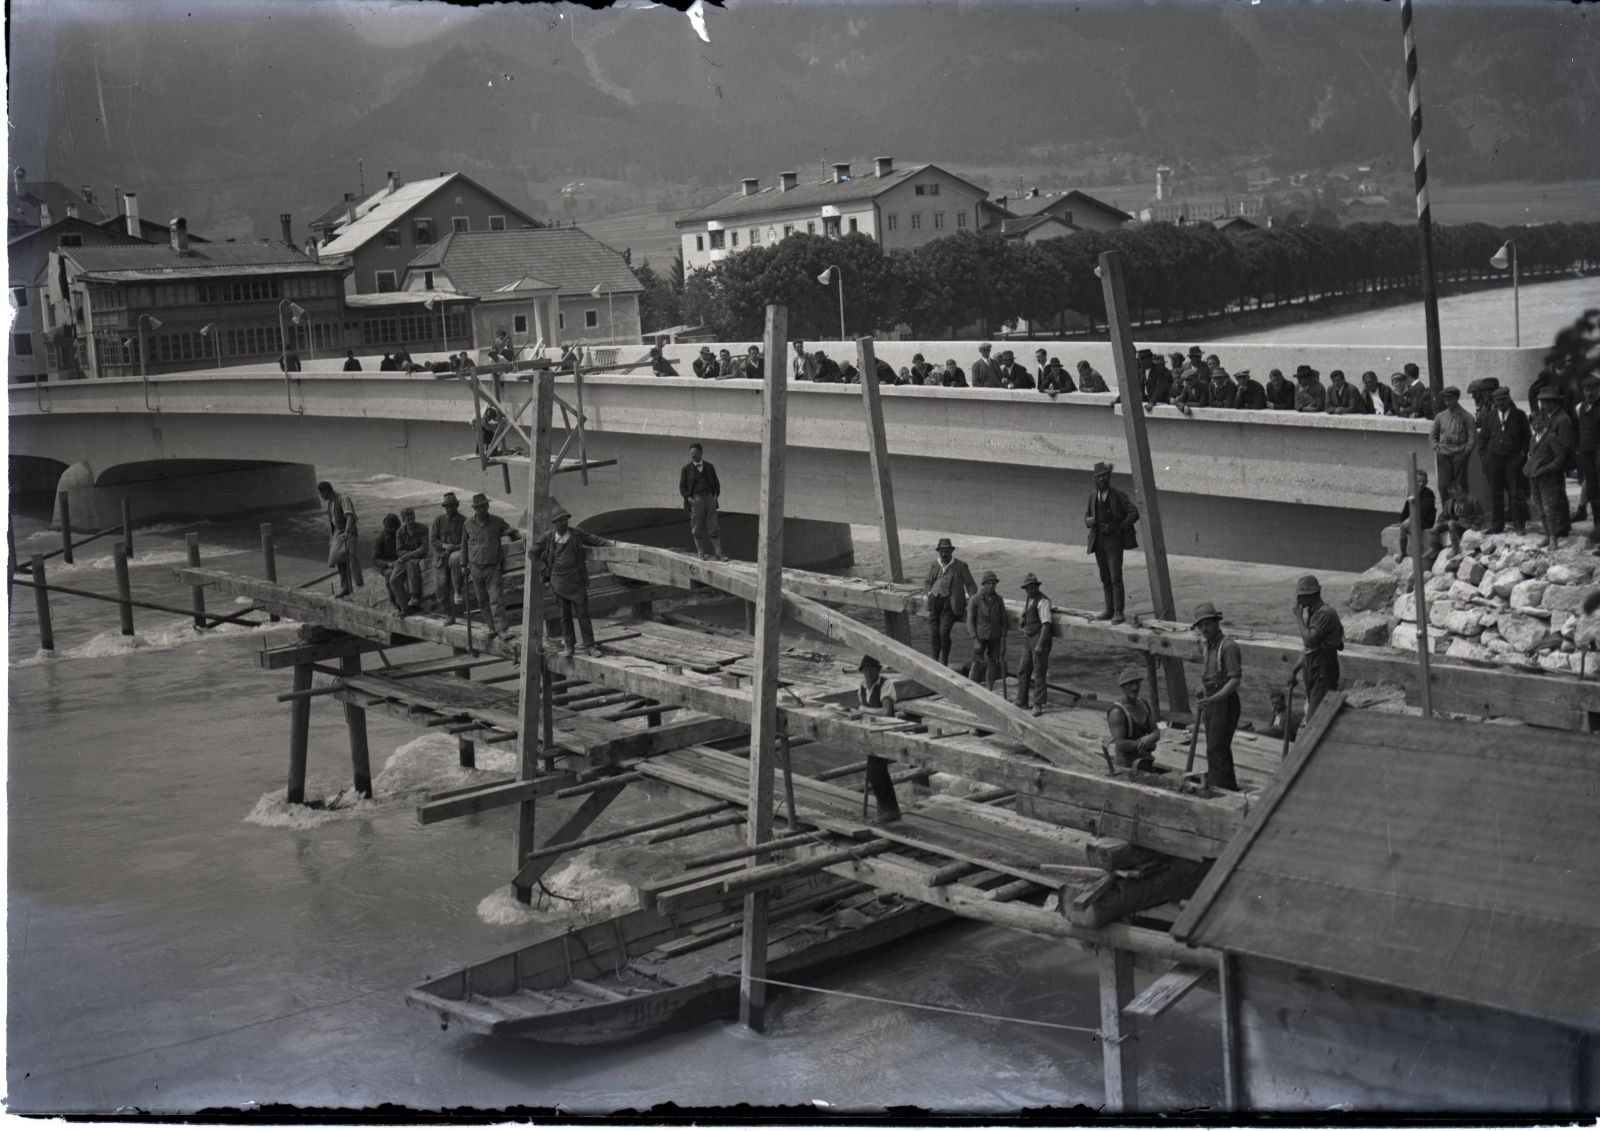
[299, 737]
[1117, 1031]
[481, 799]
[651, 741]
[531, 683]
[1233, 1081]
[897, 623]
[565, 838]
[1169, 989]
[1126, 895]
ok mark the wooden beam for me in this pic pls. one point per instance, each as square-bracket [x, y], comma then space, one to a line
[535, 866]
[898, 624]
[1117, 1031]
[1169, 989]
[299, 736]
[355, 721]
[531, 683]
[1233, 1082]
[311, 651]
[1126, 895]
[764, 690]
[492, 796]
[565, 838]
[1144, 475]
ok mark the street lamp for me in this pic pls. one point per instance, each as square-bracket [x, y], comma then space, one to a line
[611, 313]
[1500, 260]
[209, 330]
[444, 335]
[833, 270]
[155, 324]
[297, 314]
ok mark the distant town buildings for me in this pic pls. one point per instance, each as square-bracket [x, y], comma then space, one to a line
[1036, 216]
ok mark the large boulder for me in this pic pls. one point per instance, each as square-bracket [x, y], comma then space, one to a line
[1374, 589]
[1522, 632]
[1528, 594]
[1569, 573]
[1506, 580]
[1460, 591]
[1556, 661]
[1471, 540]
[1533, 566]
[1565, 598]
[1471, 571]
[1459, 621]
[1405, 636]
[1405, 607]
[1366, 628]
[1586, 633]
[1459, 649]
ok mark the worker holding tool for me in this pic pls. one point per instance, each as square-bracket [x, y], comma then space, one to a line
[1223, 671]
[1132, 723]
[876, 697]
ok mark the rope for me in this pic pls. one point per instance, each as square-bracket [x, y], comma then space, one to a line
[931, 1008]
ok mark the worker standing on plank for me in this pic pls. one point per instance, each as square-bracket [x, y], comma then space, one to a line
[485, 561]
[1111, 517]
[986, 620]
[701, 491]
[446, 540]
[1223, 671]
[1038, 632]
[343, 554]
[949, 585]
[1322, 634]
[876, 697]
[560, 553]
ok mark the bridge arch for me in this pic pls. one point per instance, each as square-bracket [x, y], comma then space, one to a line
[185, 488]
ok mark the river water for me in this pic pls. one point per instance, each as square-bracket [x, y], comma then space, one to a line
[179, 941]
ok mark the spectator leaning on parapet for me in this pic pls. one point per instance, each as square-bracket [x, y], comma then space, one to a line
[1280, 392]
[1012, 375]
[825, 369]
[1312, 397]
[1453, 437]
[1196, 390]
[1222, 391]
[1089, 379]
[985, 374]
[1250, 393]
[1157, 379]
[803, 368]
[921, 371]
[1041, 362]
[753, 366]
[1412, 398]
[705, 365]
[659, 365]
[954, 376]
[1344, 399]
[1054, 380]
[726, 366]
[1376, 399]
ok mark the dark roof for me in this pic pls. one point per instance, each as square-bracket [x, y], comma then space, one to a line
[1032, 205]
[212, 258]
[58, 226]
[480, 263]
[807, 194]
[1451, 859]
[336, 215]
[24, 209]
[148, 229]
[1020, 226]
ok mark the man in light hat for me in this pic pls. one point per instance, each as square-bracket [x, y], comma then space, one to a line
[705, 365]
[562, 564]
[1038, 633]
[1502, 443]
[986, 620]
[1132, 723]
[1223, 672]
[875, 696]
[1322, 639]
[446, 538]
[985, 374]
[1453, 436]
[1551, 447]
[949, 584]
[702, 492]
[1111, 518]
[485, 554]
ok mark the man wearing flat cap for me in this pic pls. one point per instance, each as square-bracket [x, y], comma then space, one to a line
[1502, 441]
[563, 564]
[1037, 632]
[1223, 672]
[1111, 517]
[875, 696]
[1551, 446]
[485, 552]
[1251, 394]
[1453, 436]
[445, 538]
[986, 620]
[985, 374]
[1132, 723]
[949, 583]
[1321, 639]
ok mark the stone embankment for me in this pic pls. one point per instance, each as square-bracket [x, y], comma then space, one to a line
[1497, 599]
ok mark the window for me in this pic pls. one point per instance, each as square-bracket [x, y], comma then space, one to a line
[385, 281]
[461, 223]
[830, 227]
[391, 237]
[755, 235]
[699, 243]
[788, 230]
[591, 319]
[718, 239]
[733, 238]
[938, 219]
[72, 239]
[427, 280]
[961, 219]
[422, 230]
[497, 223]
[519, 324]
[916, 221]
[22, 345]
[388, 330]
[921, 190]
[561, 320]
[19, 296]
[1066, 217]
[933, 190]
[853, 226]
[811, 227]
[892, 222]
[237, 290]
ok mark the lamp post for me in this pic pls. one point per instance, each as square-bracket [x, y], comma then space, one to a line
[155, 324]
[611, 313]
[1500, 260]
[297, 314]
[833, 270]
[444, 334]
[209, 330]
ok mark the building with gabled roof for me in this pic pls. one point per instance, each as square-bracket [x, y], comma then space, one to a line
[26, 255]
[39, 204]
[551, 284]
[901, 208]
[1075, 209]
[376, 236]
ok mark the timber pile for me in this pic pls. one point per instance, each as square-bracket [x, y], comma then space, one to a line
[1494, 599]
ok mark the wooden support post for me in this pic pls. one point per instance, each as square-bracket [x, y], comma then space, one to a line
[355, 721]
[749, 617]
[1418, 548]
[41, 603]
[269, 559]
[127, 525]
[1233, 1098]
[533, 677]
[299, 735]
[192, 543]
[547, 715]
[66, 526]
[466, 749]
[11, 556]
[1155, 686]
[1117, 1032]
[119, 558]
[898, 624]
[1144, 476]
[567, 838]
[764, 691]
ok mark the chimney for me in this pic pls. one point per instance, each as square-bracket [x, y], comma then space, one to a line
[883, 166]
[311, 251]
[394, 180]
[349, 209]
[19, 182]
[44, 215]
[1033, 194]
[841, 174]
[72, 211]
[1163, 182]
[751, 185]
[179, 231]
[130, 206]
[284, 220]
[786, 181]
[87, 192]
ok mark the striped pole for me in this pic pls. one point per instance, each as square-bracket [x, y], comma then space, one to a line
[1419, 164]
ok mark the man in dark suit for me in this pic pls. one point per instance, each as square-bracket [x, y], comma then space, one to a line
[949, 583]
[701, 490]
[1503, 443]
[1280, 392]
[1377, 399]
[705, 365]
[953, 377]
[1111, 517]
[1012, 375]
[1553, 441]
[1157, 383]
[985, 374]
[1251, 393]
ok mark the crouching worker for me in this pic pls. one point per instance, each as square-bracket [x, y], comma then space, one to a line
[1132, 723]
[876, 696]
[386, 556]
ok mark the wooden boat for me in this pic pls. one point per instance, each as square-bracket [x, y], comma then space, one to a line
[644, 972]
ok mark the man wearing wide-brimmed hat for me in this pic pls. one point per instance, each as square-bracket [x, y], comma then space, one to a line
[1038, 633]
[562, 560]
[1322, 638]
[986, 620]
[949, 583]
[1132, 722]
[1220, 682]
[1552, 445]
[1110, 516]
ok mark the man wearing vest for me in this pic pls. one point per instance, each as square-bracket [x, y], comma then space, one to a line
[949, 585]
[485, 565]
[1039, 633]
[1110, 517]
[876, 697]
[560, 553]
[446, 538]
[986, 620]
[342, 550]
[1322, 636]
[1220, 703]
[701, 490]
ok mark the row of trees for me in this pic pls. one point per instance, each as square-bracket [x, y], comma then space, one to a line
[1173, 273]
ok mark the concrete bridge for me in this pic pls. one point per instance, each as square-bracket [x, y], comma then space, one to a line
[1258, 486]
